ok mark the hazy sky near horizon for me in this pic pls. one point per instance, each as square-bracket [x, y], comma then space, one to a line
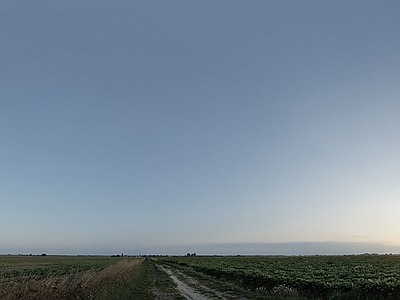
[131, 125]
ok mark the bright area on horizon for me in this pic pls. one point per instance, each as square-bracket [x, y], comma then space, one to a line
[216, 127]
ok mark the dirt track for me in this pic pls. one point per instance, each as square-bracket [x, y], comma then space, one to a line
[186, 290]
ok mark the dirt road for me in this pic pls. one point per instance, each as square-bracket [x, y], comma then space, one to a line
[186, 290]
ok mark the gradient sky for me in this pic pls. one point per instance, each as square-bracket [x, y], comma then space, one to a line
[132, 126]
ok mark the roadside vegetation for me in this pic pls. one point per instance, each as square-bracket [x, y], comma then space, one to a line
[73, 278]
[83, 277]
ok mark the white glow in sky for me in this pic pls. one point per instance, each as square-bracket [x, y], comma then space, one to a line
[133, 126]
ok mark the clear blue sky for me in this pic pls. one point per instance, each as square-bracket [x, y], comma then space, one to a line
[176, 126]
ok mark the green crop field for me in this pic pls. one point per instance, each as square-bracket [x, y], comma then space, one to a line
[311, 277]
[235, 277]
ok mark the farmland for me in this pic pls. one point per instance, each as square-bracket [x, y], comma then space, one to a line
[58, 277]
[311, 277]
[216, 277]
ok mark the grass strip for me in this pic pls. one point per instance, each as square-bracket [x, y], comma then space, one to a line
[135, 285]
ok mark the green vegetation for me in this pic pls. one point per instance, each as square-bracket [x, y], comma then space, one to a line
[56, 277]
[216, 288]
[281, 277]
[126, 282]
[322, 277]
[83, 277]
[40, 267]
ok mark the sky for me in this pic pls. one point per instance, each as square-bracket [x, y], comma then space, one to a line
[216, 127]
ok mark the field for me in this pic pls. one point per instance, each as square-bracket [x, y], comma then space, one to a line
[58, 277]
[236, 277]
[311, 277]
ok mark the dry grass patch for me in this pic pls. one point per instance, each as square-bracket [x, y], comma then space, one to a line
[80, 285]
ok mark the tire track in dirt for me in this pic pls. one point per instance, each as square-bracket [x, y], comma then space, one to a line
[186, 290]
